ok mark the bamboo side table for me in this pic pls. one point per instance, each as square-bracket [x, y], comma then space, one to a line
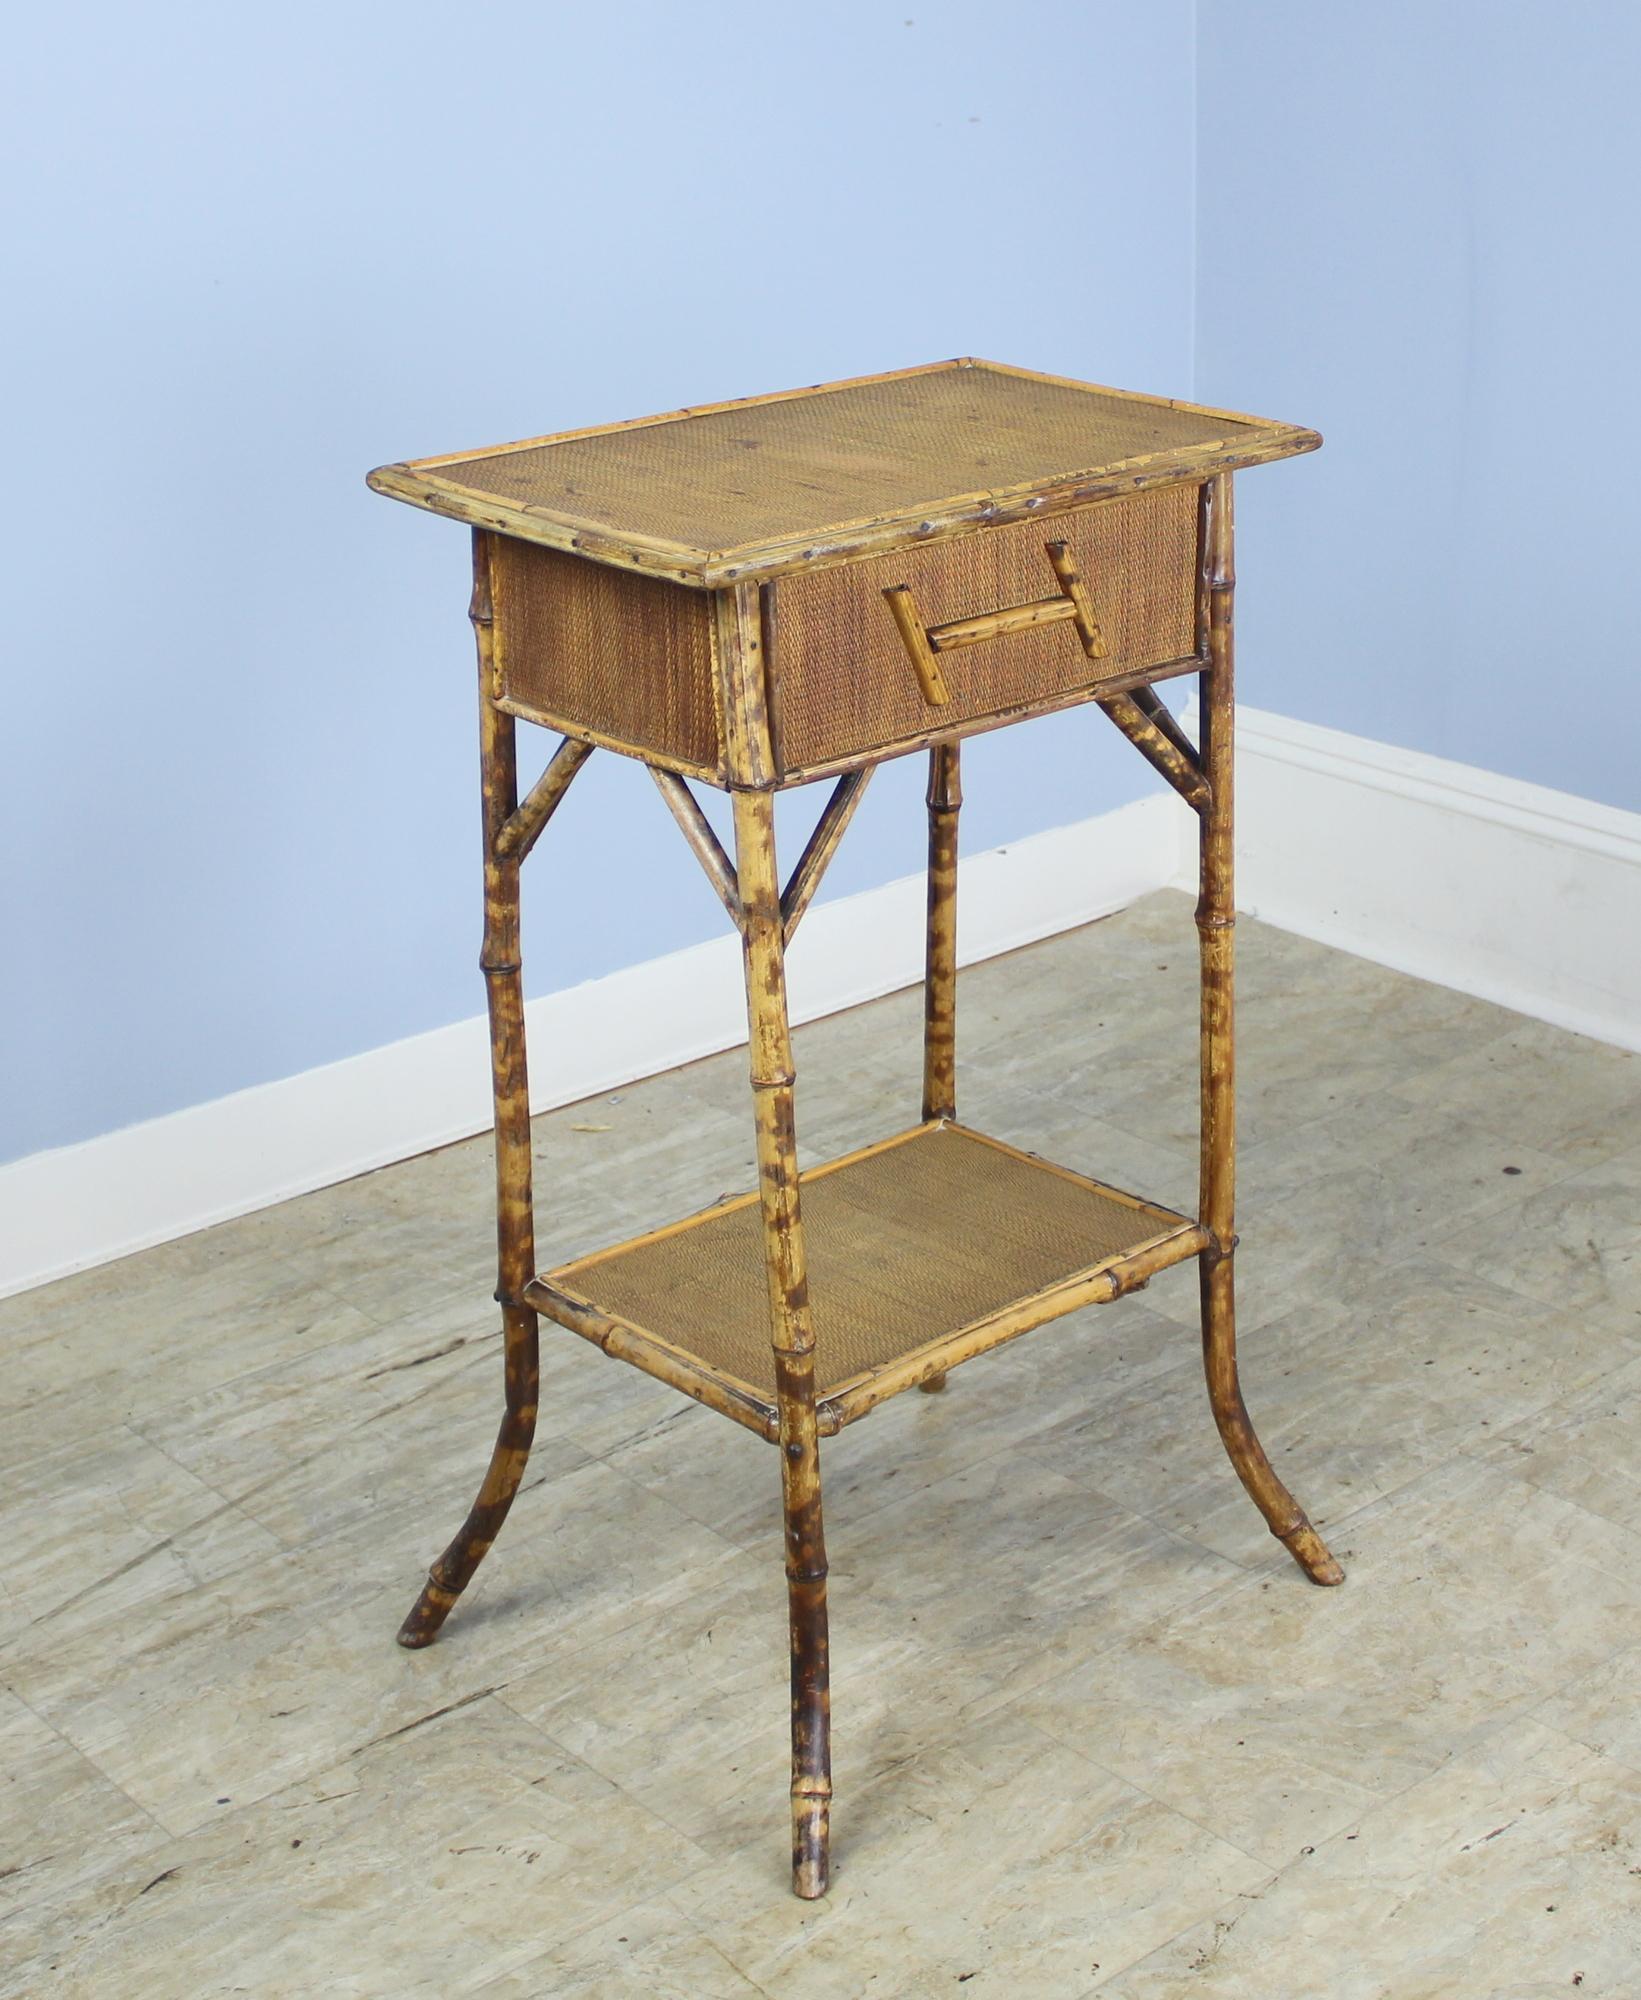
[759, 594]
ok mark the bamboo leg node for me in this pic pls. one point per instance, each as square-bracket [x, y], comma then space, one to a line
[1216, 929]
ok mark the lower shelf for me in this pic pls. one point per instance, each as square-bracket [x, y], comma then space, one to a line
[922, 1251]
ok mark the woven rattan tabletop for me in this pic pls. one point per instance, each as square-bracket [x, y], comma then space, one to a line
[775, 483]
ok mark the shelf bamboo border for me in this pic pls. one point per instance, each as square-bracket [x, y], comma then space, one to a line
[568, 1296]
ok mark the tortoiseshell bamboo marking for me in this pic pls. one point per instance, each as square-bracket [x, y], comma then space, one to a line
[515, 1221]
[1216, 925]
[944, 798]
[792, 1330]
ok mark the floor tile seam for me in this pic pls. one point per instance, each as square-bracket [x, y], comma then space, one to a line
[157, 1548]
[599, 1770]
[1130, 1514]
[243, 1502]
[1559, 1556]
[819, 1910]
[870, 1514]
[1437, 1249]
[230, 1504]
[564, 1646]
[1107, 1974]
[1338, 1523]
[950, 1736]
[725, 1545]
[1489, 1211]
[1306, 1853]
[660, 1899]
[272, 1800]
[703, 1860]
[1265, 1570]
[1264, 1565]
[466, 1812]
[1051, 1736]
[1558, 1416]
[994, 1701]
[1556, 1729]
[1474, 1051]
[409, 1300]
[89, 1761]
[535, 1477]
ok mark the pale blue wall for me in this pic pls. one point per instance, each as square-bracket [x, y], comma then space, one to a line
[1418, 230]
[255, 251]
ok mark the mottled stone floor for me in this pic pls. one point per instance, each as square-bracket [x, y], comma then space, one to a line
[1093, 1729]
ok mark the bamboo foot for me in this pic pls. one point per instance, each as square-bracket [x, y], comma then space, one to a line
[427, 1614]
[1284, 1516]
[455, 1569]
[811, 1846]
[1309, 1550]
[934, 1384]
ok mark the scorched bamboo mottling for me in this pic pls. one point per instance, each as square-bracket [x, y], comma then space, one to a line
[755, 595]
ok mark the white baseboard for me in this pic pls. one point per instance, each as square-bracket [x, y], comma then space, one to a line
[85, 1204]
[1518, 894]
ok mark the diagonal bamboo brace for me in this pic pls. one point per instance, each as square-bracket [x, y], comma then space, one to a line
[816, 857]
[519, 832]
[704, 844]
[1159, 749]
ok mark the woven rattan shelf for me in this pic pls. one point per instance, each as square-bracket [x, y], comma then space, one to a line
[761, 593]
[923, 1251]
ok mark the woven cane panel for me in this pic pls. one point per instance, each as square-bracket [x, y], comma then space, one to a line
[726, 478]
[625, 655]
[903, 1246]
[844, 680]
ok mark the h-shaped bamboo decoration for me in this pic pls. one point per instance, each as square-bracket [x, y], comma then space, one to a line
[924, 643]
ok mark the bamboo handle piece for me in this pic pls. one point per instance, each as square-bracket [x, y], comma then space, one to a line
[1082, 605]
[930, 678]
[925, 643]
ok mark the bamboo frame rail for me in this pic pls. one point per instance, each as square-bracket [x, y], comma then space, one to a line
[822, 844]
[646, 1350]
[850, 1401]
[704, 844]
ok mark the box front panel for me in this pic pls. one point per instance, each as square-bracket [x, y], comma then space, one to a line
[604, 650]
[844, 684]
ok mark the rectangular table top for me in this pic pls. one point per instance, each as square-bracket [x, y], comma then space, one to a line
[774, 483]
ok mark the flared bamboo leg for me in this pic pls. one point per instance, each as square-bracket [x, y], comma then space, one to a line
[515, 1223]
[1216, 925]
[945, 798]
[792, 1334]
